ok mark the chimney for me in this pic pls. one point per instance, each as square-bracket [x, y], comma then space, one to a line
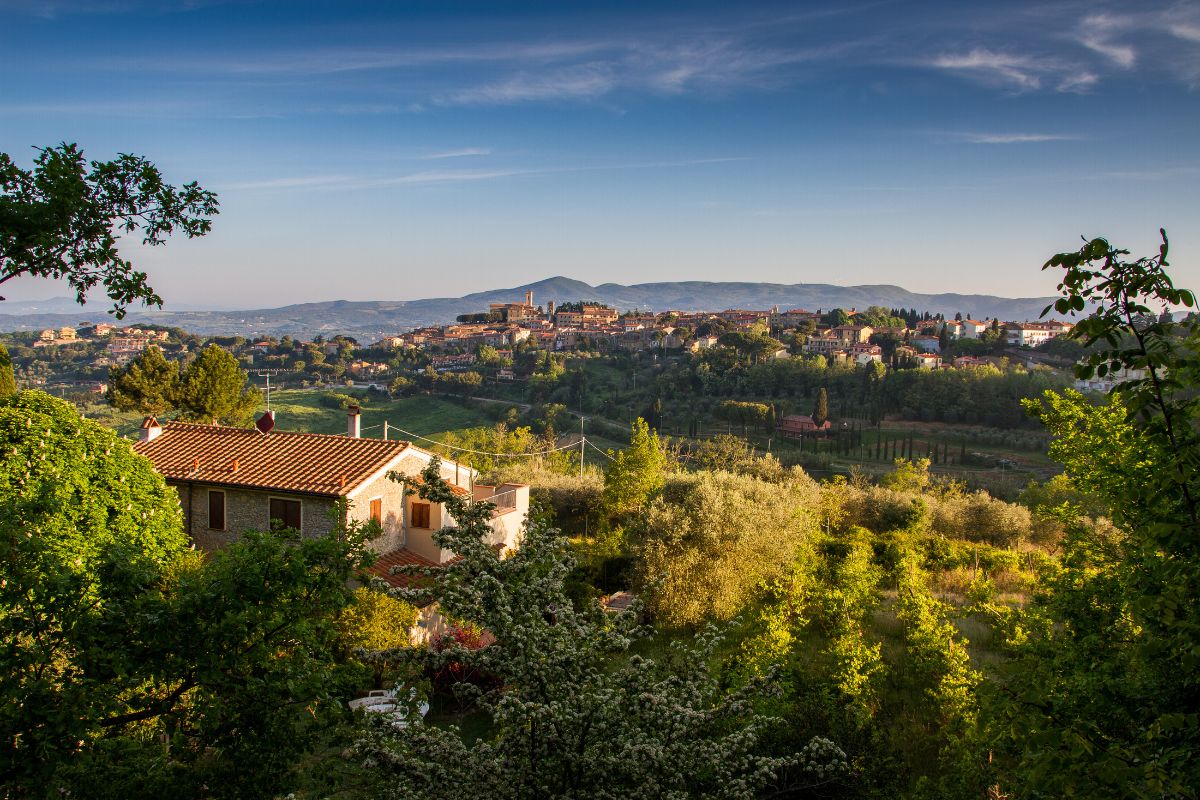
[353, 423]
[151, 430]
[529, 297]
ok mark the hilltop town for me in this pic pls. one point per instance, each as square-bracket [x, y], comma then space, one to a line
[71, 359]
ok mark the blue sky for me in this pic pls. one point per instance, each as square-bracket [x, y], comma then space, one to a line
[407, 150]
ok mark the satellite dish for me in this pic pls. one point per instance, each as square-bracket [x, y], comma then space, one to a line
[266, 423]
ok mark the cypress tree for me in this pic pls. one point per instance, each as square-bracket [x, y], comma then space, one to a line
[821, 411]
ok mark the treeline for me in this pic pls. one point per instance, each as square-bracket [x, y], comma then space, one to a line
[986, 395]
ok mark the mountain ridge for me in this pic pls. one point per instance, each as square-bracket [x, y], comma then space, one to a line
[369, 320]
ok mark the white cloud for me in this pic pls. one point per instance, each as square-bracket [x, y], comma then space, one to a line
[299, 182]
[460, 153]
[1182, 30]
[1015, 138]
[1079, 82]
[1018, 71]
[431, 177]
[582, 82]
[1097, 33]
[447, 176]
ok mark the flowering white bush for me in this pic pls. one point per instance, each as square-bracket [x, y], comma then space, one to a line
[574, 715]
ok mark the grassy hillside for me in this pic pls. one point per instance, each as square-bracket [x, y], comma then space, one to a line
[310, 411]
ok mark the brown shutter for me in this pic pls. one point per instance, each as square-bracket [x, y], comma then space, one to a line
[216, 510]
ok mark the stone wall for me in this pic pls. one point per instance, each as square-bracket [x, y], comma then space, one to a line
[392, 494]
[248, 510]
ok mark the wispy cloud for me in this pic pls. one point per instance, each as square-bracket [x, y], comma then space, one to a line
[448, 176]
[573, 83]
[107, 108]
[301, 182]
[351, 182]
[1079, 82]
[1097, 33]
[460, 153]
[1189, 32]
[433, 177]
[1019, 72]
[1014, 138]
[329, 60]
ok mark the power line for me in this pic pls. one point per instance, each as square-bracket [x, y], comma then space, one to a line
[598, 450]
[482, 452]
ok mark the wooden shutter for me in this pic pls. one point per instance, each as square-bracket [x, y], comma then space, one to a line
[216, 510]
[285, 513]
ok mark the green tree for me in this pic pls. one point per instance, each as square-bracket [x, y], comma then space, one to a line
[832, 319]
[375, 622]
[636, 473]
[213, 389]
[944, 338]
[754, 345]
[149, 384]
[574, 715]
[401, 386]
[1101, 697]
[706, 544]
[131, 667]
[62, 220]
[821, 409]
[8, 382]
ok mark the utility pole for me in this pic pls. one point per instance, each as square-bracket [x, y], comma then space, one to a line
[385, 430]
[582, 444]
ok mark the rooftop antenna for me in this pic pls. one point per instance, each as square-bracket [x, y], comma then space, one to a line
[267, 373]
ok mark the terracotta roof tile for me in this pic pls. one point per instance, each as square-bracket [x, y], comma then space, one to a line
[458, 490]
[402, 558]
[313, 463]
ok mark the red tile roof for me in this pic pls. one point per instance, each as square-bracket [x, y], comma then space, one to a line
[312, 463]
[455, 488]
[402, 558]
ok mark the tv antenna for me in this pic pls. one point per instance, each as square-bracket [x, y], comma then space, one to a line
[267, 373]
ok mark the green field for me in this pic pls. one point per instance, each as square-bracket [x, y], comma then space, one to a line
[310, 412]
[423, 415]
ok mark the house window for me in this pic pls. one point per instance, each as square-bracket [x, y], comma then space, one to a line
[285, 513]
[216, 510]
[420, 515]
[377, 510]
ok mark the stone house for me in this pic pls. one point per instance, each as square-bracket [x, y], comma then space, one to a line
[231, 480]
[852, 334]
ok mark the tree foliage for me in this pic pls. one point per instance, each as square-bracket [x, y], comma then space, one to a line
[635, 473]
[149, 384]
[709, 540]
[129, 666]
[8, 381]
[213, 389]
[62, 219]
[1102, 695]
[576, 717]
[821, 408]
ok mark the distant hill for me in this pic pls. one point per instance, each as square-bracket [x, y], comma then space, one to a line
[370, 320]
